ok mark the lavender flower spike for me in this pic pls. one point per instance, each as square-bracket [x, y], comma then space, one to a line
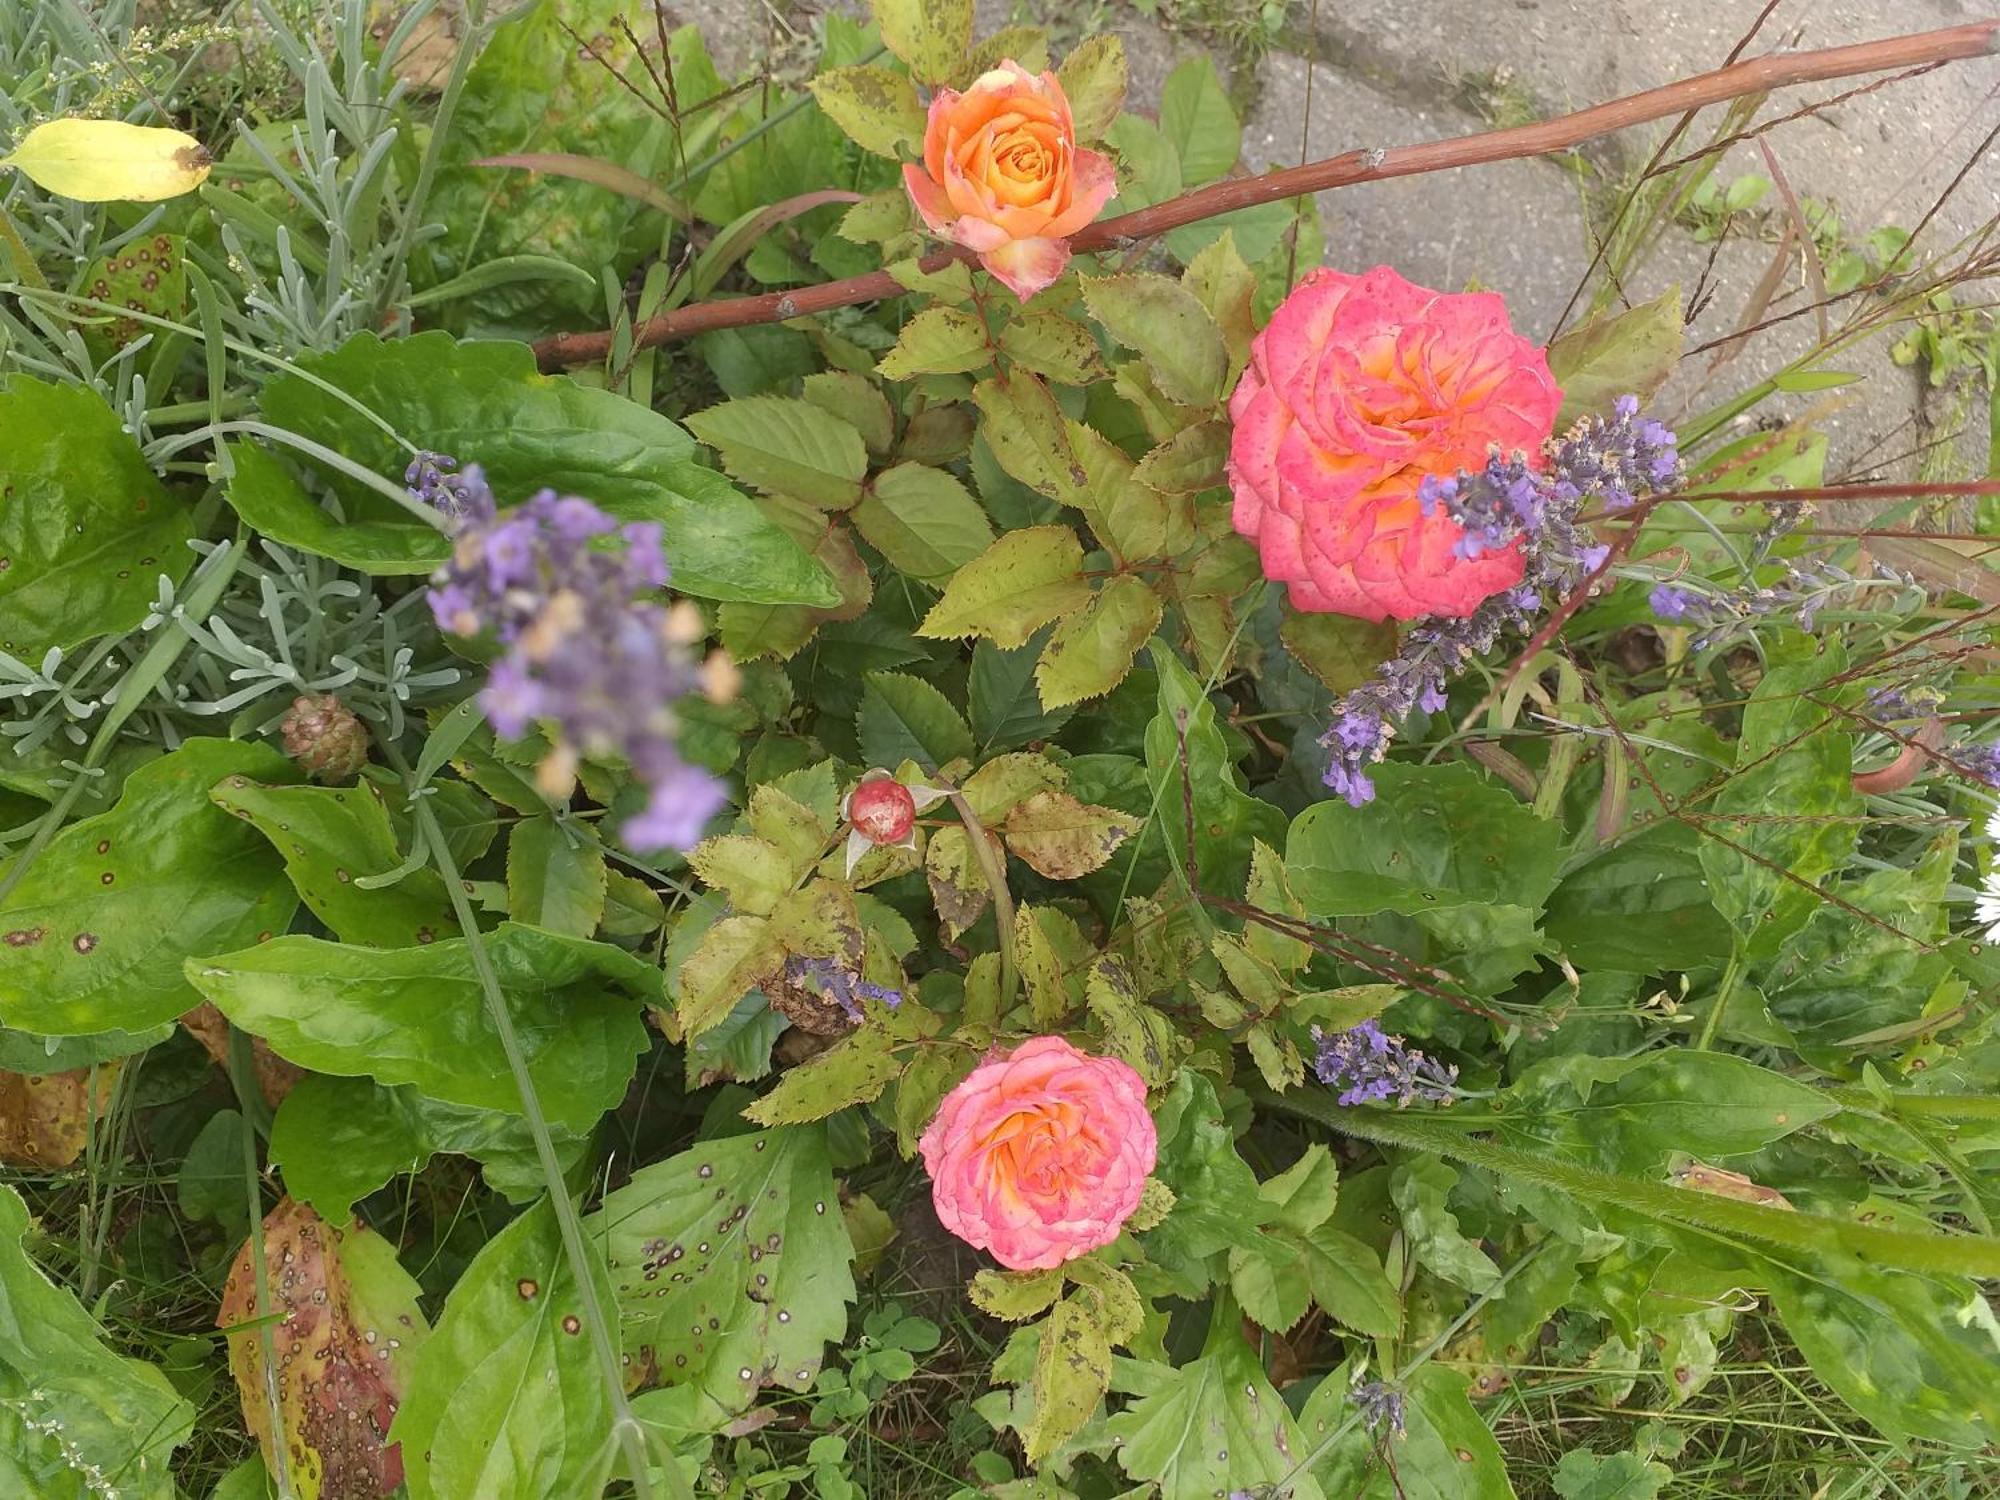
[1371, 1067]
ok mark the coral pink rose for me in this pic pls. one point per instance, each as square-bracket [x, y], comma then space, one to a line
[1041, 1156]
[1003, 175]
[1358, 388]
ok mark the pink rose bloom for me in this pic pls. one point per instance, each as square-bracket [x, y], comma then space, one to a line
[1041, 1156]
[1003, 175]
[1358, 388]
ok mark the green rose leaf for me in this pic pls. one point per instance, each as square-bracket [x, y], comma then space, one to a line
[1227, 820]
[938, 341]
[731, 1265]
[877, 107]
[923, 521]
[1006, 706]
[485, 403]
[1091, 652]
[1169, 328]
[505, 1396]
[1093, 78]
[1617, 354]
[69, 1407]
[1022, 582]
[1072, 1373]
[1198, 121]
[905, 718]
[933, 36]
[1054, 346]
[787, 446]
[418, 1015]
[86, 530]
[95, 933]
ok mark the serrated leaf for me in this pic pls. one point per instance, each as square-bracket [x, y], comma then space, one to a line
[1584, 1475]
[1213, 1425]
[1226, 286]
[1006, 707]
[1091, 652]
[88, 1406]
[923, 521]
[877, 107]
[1340, 651]
[957, 885]
[1044, 974]
[96, 930]
[854, 1070]
[509, 1346]
[731, 1257]
[1164, 322]
[1133, 1030]
[878, 218]
[1227, 820]
[1025, 429]
[905, 718]
[1063, 838]
[418, 1015]
[1053, 345]
[937, 341]
[1268, 889]
[733, 956]
[86, 530]
[1022, 582]
[752, 872]
[1005, 781]
[1134, 520]
[1093, 78]
[1348, 1281]
[786, 446]
[1190, 461]
[857, 401]
[1420, 1185]
[932, 36]
[1016, 1296]
[1072, 1373]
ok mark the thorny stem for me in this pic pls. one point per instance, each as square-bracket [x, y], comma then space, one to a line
[625, 1426]
[1758, 75]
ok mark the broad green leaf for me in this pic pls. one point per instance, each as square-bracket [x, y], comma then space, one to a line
[1151, 168]
[923, 521]
[1190, 461]
[1024, 428]
[1641, 906]
[1131, 518]
[1617, 354]
[328, 837]
[938, 341]
[1348, 1281]
[933, 36]
[1006, 706]
[1446, 1452]
[877, 107]
[1340, 651]
[1584, 1475]
[269, 496]
[1795, 756]
[95, 933]
[857, 401]
[1164, 322]
[418, 1015]
[728, 959]
[148, 275]
[1091, 652]
[905, 718]
[69, 1407]
[506, 1398]
[786, 446]
[1052, 345]
[1269, 1278]
[1065, 839]
[1072, 1373]
[485, 403]
[1211, 1426]
[1196, 117]
[1420, 1186]
[1227, 820]
[25, 1052]
[1224, 284]
[335, 1141]
[1216, 1203]
[86, 530]
[209, 1186]
[555, 878]
[730, 1264]
[1022, 582]
[1093, 79]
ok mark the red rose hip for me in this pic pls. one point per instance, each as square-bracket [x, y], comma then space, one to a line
[882, 811]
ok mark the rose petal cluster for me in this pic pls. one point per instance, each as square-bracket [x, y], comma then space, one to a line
[1003, 175]
[1041, 1155]
[1359, 388]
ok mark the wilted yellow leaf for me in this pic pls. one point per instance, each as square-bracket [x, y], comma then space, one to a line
[96, 161]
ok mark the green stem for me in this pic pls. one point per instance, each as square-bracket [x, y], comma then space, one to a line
[19, 254]
[1711, 1025]
[994, 871]
[630, 1434]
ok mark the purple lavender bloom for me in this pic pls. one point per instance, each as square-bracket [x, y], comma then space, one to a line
[1669, 602]
[846, 989]
[1982, 761]
[583, 653]
[462, 497]
[1381, 1406]
[1371, 1067]
[1508, 502]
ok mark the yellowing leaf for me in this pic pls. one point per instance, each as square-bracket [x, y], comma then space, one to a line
[1063, 838]
[98, 161]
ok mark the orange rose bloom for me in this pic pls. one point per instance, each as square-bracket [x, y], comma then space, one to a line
[1003, 175]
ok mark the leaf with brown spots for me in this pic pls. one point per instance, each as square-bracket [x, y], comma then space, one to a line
[346, 1329]
[732, 1265]
[45, 1118]
[1063, 838]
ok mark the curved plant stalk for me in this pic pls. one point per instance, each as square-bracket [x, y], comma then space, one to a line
[1975, 1255]
[1778, 70]
[626, 1428]
[994, 871]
